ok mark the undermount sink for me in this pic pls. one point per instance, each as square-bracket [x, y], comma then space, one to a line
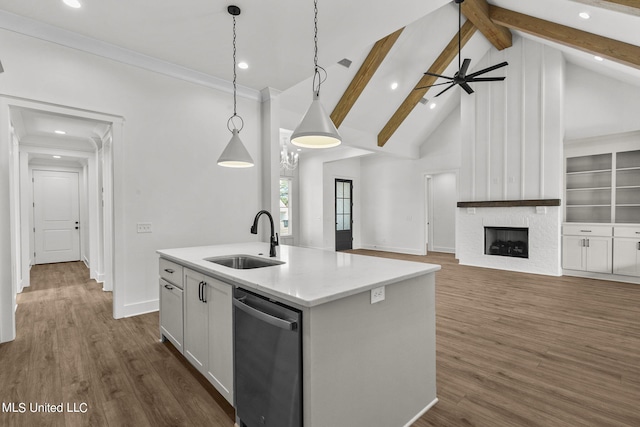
[243, 262]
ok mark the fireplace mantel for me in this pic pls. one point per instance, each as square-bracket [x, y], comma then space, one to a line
[509, 203]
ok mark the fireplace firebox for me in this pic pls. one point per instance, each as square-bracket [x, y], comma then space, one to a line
[506, 241]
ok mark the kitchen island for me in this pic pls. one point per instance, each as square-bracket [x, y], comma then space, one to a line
[363, 363]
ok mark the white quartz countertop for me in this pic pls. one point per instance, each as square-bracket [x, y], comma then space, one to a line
[308, 277]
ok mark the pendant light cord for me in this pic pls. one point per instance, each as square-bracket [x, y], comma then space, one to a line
[235, 114]
[234, 66]
[317, 77]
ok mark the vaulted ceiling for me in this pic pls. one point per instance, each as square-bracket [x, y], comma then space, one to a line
[275, 39]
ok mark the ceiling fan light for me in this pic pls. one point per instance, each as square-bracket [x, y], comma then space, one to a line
[316, 130]
[235, 155]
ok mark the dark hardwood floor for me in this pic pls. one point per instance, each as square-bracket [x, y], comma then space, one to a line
[513, 349]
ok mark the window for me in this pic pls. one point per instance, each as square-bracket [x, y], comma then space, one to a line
[285, 207]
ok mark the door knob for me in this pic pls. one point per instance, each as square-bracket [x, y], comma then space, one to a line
[77, 227]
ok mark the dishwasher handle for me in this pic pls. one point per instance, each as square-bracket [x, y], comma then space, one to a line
[265, 317]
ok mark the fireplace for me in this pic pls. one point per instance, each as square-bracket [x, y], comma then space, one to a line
[506, 241]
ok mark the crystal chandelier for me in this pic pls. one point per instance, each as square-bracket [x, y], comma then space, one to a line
[288, 161]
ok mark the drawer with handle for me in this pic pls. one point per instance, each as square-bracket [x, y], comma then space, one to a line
[587, 230]
[621, 231]
[171, 272]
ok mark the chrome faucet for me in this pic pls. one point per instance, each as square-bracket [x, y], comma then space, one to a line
[274, 235]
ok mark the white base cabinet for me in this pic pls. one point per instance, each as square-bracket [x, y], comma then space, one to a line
[171, 304]
[626, 251]
[208, 329]
[587, 248]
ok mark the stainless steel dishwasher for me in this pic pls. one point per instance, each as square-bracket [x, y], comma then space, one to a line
[268, 362]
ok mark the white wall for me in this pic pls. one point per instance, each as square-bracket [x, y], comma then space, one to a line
[173, 134]
[315, 183]
[512, 131]
[393, 192]
[598, 105]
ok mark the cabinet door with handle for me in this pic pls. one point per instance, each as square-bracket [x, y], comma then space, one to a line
[196, 320]
[220, 370]
[599, 253]
[573, 253]
[626, 257]
[171, 319]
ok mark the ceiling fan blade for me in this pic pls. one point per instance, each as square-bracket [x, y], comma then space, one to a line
[466, 87]
[450, 86]
[486, 70]
[437, 84]
[437, 75]
[464, 68]
[485, 79]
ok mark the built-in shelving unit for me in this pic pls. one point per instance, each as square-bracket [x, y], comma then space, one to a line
[601, 233]
[589, 184]
[627, 187]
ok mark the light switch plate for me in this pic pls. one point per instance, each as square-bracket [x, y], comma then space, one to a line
[377, 295]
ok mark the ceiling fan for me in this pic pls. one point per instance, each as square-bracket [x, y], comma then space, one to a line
[460, 77]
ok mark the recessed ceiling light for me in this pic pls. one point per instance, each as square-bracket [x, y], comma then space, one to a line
[56, 157]
[243, 65]
[432, 105]
[72, 3]
[584, 15]
[598, 58]
[394, 85]
[299, 149]
[60, 132]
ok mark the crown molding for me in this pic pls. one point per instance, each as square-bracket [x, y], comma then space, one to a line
[40, 30]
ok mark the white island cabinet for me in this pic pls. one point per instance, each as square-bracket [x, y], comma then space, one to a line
[363, 363]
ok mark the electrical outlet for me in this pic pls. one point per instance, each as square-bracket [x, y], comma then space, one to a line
[377, 295]
[144, 227]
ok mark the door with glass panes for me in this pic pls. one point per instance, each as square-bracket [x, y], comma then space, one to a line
[344, 214]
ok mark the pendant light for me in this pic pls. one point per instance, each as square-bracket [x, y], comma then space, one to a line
[316, 130]
[235, 155]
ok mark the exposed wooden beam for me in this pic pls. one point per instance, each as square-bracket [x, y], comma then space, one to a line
[438, 67]
[630, 7]
[614, 50]
[362, 77]
[477, 11]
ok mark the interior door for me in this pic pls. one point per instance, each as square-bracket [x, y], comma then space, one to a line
[56, 216]
[344, 214]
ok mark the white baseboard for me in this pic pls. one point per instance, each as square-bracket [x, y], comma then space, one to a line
[100, 277]
[421, 413]
[392, 249]
[130, 310]
[443, 249]
[86, 262]
[601, 276]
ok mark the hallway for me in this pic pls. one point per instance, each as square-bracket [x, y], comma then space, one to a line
[69, 350]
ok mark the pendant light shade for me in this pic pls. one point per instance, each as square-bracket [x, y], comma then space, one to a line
[316, 130]
[235, 155]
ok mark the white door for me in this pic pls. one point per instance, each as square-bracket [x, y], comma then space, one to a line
[56, 216]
